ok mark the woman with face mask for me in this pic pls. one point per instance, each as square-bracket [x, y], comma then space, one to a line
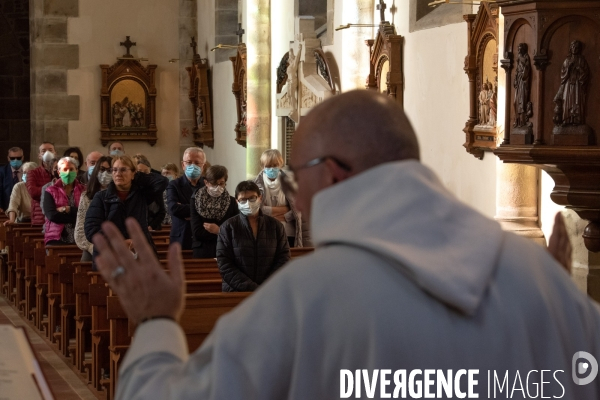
[99, 180]
[275, 202]
[251, 245]
[19, 208]
[210, 207]
[60, 204]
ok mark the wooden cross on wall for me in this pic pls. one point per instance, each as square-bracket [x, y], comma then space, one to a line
[240, 33]
[194, 45]
[381, 7]
[128, 44]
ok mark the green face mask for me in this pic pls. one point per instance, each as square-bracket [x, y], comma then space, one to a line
[68, 177]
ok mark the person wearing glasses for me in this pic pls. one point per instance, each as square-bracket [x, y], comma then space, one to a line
[60, 202]
[128, 195]
[19, 208]
[10, 175]
[275, 202]
[99, 180]
[179, 195]
[251, 245]
[210, 207]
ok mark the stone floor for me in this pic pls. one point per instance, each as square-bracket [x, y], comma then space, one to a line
[63, 380]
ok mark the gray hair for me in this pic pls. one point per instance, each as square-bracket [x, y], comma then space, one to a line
[194, 150]
[28, 166]
[69, 160]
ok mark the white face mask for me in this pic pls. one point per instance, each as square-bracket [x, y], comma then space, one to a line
[215, 191]
[105, 178]
[48, 157]
[250, 208]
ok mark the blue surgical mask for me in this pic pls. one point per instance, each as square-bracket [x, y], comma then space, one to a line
[24, 177]
[193, 171]
[16, 164]
[272, 172]
[250, 208]
[116, 153]
[90, 170]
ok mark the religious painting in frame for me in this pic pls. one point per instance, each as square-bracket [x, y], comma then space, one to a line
[481, 67]
[199, 95]
[385, 66]
[128, 101]
[239, 89]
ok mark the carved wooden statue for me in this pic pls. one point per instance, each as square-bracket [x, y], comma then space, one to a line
[571, 97]
[522, 85]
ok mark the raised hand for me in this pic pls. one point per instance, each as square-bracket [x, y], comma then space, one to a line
[143, 286]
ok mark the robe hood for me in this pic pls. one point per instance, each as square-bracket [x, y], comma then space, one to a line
[401, 212]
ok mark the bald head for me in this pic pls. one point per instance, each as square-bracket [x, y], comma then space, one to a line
[361, 128]
[92, 158]
[346, 135]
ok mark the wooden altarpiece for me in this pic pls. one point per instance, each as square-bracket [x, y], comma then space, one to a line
[481, 66]
[385, 65]
[239, 89]
[128, 100]
[303, 76]
[199, 95]
[552, 63]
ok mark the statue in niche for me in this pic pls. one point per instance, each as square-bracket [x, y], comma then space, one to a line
[523, 107]
[493, 107]
[292, 81]
[484, 109]
[199, 116]
[571, 96]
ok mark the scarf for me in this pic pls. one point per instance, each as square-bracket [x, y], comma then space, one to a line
[274, 196]
[212, 207]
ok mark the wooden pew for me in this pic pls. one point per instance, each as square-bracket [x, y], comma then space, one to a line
[12, 262]
[29, 250]
[22, 237]
[100, 332]
[83, 317]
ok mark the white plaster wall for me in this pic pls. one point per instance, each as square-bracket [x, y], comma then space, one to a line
[226, 151]
[98, 30]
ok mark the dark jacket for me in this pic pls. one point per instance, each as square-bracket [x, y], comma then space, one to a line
[179, 194]
[6, 180]
[36, 179]
[204, 243]
[106, 206]
[156, 213]
[244, 261]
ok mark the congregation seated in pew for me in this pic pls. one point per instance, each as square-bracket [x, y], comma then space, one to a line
[60, 204]
[251, 246]
[19, 207]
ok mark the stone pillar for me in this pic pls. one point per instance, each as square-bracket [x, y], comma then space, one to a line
[355, 59]
[51, 56]
[258, 44]
[188, 28]
[517, 188]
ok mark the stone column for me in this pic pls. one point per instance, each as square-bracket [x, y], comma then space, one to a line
[51, 57]
[188, 28]
[517, 188]
[258, 44]
[355, 59]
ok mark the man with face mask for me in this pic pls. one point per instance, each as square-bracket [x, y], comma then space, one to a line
[90, 163]
[10, 174]
[116, 149]
[39, 177]
[262, 241]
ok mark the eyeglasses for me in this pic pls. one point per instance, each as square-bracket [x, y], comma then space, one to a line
[15, 158]
[121, 170]
[250, 199]
[288, 183]
[222, 184]
[195, 163]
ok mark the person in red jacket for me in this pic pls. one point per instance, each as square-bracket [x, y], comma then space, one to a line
[37, 178]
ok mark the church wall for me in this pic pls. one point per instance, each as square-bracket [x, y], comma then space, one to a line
[98, 30]
[226, 151]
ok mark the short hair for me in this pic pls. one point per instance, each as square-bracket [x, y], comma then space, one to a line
[125, 159]
[15, 150]
[43, 143]
[121, 143]
[194, 150]
[171, 167]
[69, 160]
[77, 150]
[28, 166]
[271, 156]
[142, 159]
[215, 173]
[246, 186]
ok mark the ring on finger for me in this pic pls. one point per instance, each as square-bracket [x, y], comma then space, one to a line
[120, 270]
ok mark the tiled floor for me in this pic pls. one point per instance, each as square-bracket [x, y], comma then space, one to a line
[64, 382]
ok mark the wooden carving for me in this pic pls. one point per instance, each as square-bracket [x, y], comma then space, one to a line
[282, 71]
[239, 88]
[199, 95]
[385, 69]
[481, 66]
[128, 100]
[552, 63]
